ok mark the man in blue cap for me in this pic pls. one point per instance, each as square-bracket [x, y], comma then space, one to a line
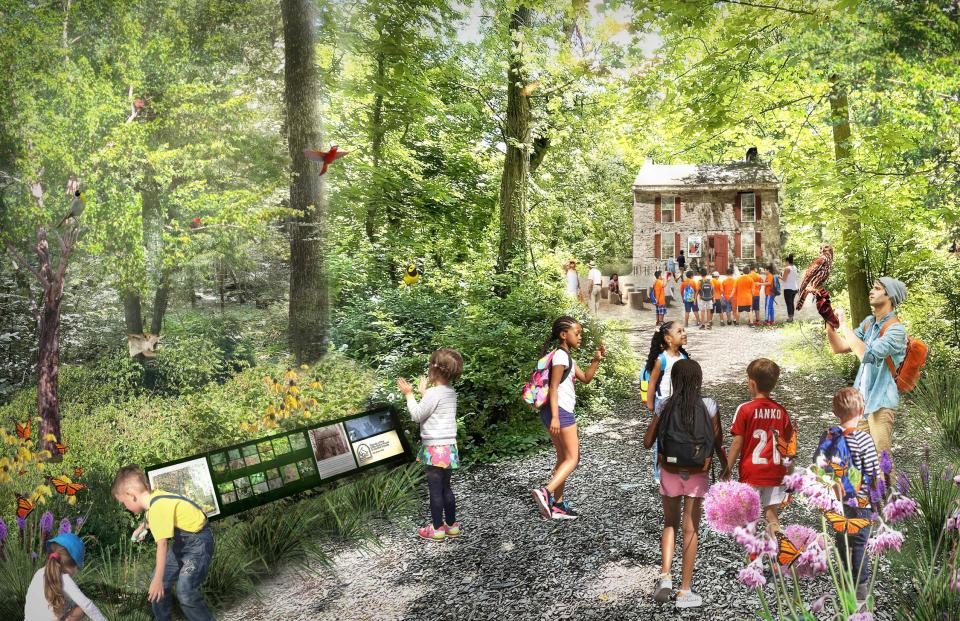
[879, 336]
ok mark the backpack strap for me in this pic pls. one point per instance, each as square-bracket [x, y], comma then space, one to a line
[889, 359]
[178, 497]
[568, 367]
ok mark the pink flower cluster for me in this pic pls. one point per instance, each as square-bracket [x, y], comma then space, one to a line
[813, 558]
[885, 540]
[953, 522]
[861, 616]
[817, 493]
[899, 508]
[752, 574]
[731, 504]
[755, 546]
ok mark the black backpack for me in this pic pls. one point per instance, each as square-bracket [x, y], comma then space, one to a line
[706, 290]
[682, 447]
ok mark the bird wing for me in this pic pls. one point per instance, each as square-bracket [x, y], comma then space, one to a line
[316, 156]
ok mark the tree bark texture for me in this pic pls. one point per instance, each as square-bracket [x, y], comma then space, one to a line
[309, 300]
[852, 237]
[48, 357]
[132, 314]
[377, 134]
[516, 164]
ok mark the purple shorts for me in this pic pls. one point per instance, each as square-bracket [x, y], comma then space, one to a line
[566, 418]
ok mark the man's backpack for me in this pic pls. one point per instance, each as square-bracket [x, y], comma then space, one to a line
[706, 290]
[908, 374]
[835, 451]
[689, 295]
[683, 447]
[537, 390]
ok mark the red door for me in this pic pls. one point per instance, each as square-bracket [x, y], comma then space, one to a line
[720, 253]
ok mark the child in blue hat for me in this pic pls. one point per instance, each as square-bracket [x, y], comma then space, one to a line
[53, 594]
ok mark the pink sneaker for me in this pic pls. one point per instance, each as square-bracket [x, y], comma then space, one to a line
[453, 530]
[431, 534]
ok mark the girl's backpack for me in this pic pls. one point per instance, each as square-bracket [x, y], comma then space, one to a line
[682, 447]
[908, 374]
[645, 377]
[834, 449]
[537, 390]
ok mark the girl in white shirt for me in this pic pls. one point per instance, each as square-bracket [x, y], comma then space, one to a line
[666, 349]
[53, 595]
[557, 414]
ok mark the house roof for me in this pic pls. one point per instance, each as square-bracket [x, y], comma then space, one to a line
[706, 176]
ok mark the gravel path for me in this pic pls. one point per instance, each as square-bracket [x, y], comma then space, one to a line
[510, 564]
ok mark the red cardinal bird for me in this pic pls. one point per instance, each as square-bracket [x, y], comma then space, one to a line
[816, 274]
[324, 157]
[196, 223]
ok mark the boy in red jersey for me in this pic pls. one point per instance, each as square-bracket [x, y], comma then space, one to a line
[764, 440]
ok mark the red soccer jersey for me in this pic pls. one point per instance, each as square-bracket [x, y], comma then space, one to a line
[768, 437]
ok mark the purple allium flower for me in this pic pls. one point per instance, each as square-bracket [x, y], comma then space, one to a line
[755, 546]
[800, 536]
[65, 526]
[730, 504]
[885, 540]
[817, 606]
[3, 531]
[794, 482]
[46, 522]
[820, 496]
[900, 508]
[861, 616]
[953, 522]
[956, 479]
[886, 464]
[752, 575]
[903, 483]
[21, 523]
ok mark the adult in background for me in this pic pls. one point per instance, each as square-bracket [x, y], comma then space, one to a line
[573, 280]
[790, 285]
[682, 262]
[615, 296]
[671, 266]
[874, 379]
[595, 278]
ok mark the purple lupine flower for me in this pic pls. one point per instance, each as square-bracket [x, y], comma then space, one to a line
[21, 523]
[875, 495]
[3, 531]
[903, 483]
[925, 473]
[46, 522]
[65, 526]
[882, 487]
[80, 522]
[853, 503]
[886, 464]
[752, 575]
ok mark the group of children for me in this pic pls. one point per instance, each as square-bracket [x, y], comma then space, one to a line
[720, 296]
[685, 430]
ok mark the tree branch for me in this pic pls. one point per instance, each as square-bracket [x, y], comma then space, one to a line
[19, 260]
[772, 7]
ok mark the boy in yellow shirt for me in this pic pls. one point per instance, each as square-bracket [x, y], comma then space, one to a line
[184, 543]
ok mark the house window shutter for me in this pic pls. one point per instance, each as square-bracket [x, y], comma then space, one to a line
[756, 199]
[736, 241]
[656, 209]
[756, 252]
[656, 244]
[736, 214]
[676, 243]
[676, 209]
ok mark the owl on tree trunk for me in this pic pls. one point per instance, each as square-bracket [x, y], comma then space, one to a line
[816, 274]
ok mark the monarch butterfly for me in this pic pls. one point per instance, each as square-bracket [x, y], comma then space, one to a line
[786, 500]
[840, 470]
[61, 448]
[787, 552]
[842, 524]
[862, 502]
[787, 443]
[23, 431]
[24, 507]
[77, 472]
[65, 486]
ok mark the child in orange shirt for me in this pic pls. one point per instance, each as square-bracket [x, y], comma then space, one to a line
[689, 289]
[752, 271]
[729, 286]
[659, 296]
[744, 297]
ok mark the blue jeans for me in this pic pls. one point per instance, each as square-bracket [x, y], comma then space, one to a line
[188, 559]
[859, 558]
[770, 301]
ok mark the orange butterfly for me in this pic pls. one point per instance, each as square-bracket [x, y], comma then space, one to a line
[787, 552]
[23, 431]
[787, 443]
[64, 486]
[842, 524]
[77, 472]
[24, 507]
[61, 448]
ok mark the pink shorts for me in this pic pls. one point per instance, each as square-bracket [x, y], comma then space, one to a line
[692, 484]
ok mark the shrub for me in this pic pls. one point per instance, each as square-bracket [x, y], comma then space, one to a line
[938, 396]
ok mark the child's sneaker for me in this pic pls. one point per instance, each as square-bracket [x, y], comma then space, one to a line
[663, 589]
[563, 511]
[688, 599]
[452, 530]
[430, 533]
[543, 500]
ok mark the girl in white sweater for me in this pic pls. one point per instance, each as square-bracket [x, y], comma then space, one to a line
[437, 415]
[53, 594]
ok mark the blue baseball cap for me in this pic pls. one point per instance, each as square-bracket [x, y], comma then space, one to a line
[73, 544]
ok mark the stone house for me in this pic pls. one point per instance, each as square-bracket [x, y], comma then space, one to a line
[720, 214]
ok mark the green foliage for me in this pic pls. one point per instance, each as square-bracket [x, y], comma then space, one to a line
[938, 396]
[937, 496]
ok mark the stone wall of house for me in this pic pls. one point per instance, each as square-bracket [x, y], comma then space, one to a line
[704, 213]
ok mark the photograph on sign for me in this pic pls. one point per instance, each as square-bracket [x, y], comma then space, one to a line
[236, 459]
[307, 467]
[243, 487]
[369, 425]
[266, 450]
[298, 441]
[694, 245]
[281, 446]
[290, 473]
[251, 456]
[331, 450]
[227, 493]
[190, 479]
[376, 448]
[218, 461]
[274, 480]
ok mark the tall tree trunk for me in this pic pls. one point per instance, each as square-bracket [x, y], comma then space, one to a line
[309, 300]
[161, 299]
[516, 164]
[852, 240]
[377, 133]
[132, 313]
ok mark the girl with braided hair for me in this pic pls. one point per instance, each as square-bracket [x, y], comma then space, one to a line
[666, 349]
[53, 595]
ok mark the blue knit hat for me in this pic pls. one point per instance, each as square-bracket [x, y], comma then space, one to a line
[73, 544]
